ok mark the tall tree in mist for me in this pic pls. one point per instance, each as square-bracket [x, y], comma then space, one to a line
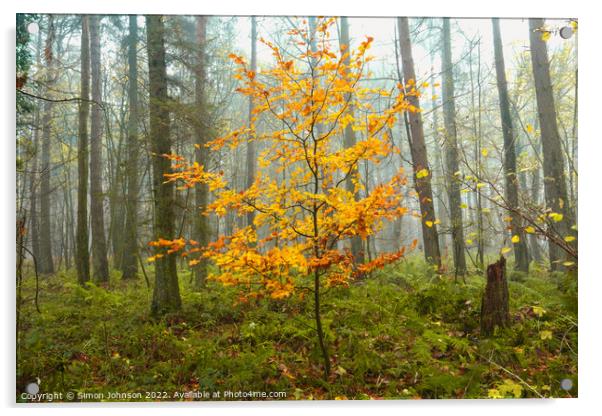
[422, 170]
[129, 261]
[166, 293]
[100, 263]
[201, 223]
[82, 255]
[555, 189]
[350, 140]
[251, 145]
[521, 255]
[45, 263]
[451, 152]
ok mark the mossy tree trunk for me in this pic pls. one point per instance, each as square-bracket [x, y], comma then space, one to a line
[129, 260]
[46, 262]
[82, 256]
[100, 269]
[166, 293]
[451, 153]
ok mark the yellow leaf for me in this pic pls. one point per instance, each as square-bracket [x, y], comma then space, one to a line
[545, 335]
[422, 173]
[485, 152]
[556, 217]
[515, 239]
[529, 128]
[429, 223]
[469, 242]
[463, 206]
[568, 263]
[538, 310]
[546, 35]
[506, 250]
[529, 229]
[569, 238]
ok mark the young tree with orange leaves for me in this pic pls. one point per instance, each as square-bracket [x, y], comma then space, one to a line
[292, 247]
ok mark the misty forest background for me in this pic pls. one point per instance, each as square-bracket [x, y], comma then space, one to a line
[469, 290]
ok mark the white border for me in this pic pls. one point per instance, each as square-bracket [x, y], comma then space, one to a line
[590, 203]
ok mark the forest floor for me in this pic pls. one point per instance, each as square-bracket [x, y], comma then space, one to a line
[403, 333]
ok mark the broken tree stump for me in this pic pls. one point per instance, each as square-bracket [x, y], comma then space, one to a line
[494, 304]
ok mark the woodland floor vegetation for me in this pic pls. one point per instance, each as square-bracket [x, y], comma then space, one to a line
[405, 333]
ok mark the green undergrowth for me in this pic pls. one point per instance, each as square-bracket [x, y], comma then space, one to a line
[402, 332]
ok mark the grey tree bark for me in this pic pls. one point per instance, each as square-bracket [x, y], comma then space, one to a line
[451, 153]
[521, 255]
[251, 145]
[82, 257]
[418, 151]
[46, 263]
[357, 249]
[100, 269]
[555, 188]
[201, 222]
[166, 293]
[129, 260]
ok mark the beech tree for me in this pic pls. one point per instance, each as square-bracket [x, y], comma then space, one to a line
[312, 210]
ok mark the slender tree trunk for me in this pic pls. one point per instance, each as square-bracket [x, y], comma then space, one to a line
[46, 261]
[451, 153]
[201, 222]
[82, 256]
[99, 244]
[553, 162]
[251, 145]
[166, 293]
[129, 261]
[521, 256]
[33, 193]
[422, 182]
[357, 249]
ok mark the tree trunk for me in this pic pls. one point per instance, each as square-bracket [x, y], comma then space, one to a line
[357, 249]
[201, 221]
[553, 162]
[129, 260]
[495, 311]
[418, 150]
[82, 256]
[166, 293]
[451, 154]
[521, 256]
[99, 244]
[251, 146]
[45, 261]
